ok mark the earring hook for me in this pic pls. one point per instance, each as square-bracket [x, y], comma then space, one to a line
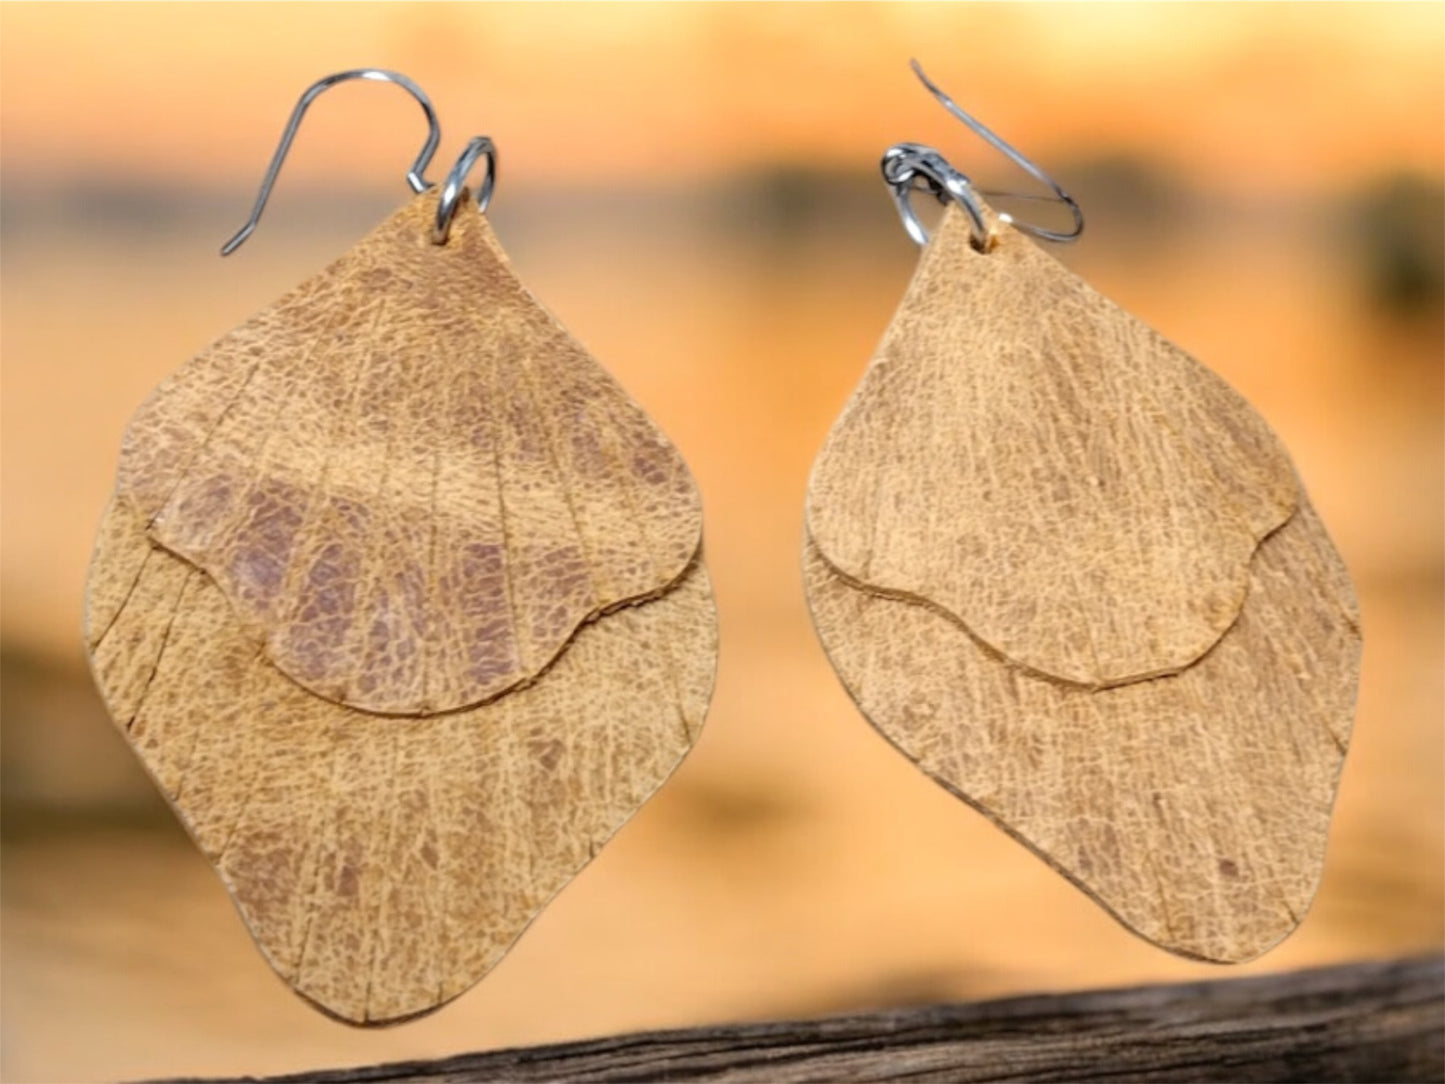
[906, 165]
[414, 175]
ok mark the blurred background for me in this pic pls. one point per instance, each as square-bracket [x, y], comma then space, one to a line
[693, 190]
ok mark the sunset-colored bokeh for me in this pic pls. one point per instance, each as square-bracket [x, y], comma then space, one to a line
[1301, 95]
[693, 190]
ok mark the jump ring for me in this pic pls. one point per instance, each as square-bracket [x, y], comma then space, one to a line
[453, 186]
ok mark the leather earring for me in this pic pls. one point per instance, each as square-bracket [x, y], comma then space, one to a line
[401, 601]
[1072, 575]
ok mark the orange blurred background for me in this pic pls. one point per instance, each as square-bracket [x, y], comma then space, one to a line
[692, 189]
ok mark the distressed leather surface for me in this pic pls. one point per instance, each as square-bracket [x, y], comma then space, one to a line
[410, 481]
[1195, 806]
[1075, 489]
[384, 862]
[1032, 593]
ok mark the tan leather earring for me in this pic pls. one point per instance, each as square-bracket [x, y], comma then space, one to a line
[400, 599]
[1073, 576]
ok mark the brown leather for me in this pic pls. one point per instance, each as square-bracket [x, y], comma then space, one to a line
[1079, 492]
[408, 478]
[404, 485]
[1072, 576]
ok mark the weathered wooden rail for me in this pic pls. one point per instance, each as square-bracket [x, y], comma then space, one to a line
[1358, 1022]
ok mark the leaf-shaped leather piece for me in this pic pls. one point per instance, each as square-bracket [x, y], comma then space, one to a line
[401, 489]
[1036, 462]
[410, 481]
[384, 865]
[1071, 575]
[1195, 806]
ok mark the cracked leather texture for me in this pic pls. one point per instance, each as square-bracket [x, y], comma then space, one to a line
[1078, 491]
[385, 860]
[408, 478]
[1100, 609]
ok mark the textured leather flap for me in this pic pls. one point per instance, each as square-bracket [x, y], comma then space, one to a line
[408, 480]
[1024, 455]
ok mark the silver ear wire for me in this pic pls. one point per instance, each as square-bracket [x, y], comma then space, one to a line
[909, 166]
[315, 90]
[478, 147]
[452, 190]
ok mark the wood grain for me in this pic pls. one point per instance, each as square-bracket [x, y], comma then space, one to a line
[969, 561]
[1363, 1021]
[384, 862]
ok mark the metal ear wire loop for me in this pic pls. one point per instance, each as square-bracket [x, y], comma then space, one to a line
[478, 147]
[452, 190]
[909, 166]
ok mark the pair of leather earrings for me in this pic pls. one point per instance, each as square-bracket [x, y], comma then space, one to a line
[401, 599]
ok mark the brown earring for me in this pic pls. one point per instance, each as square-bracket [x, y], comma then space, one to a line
[400, 599]
[1072, 575]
